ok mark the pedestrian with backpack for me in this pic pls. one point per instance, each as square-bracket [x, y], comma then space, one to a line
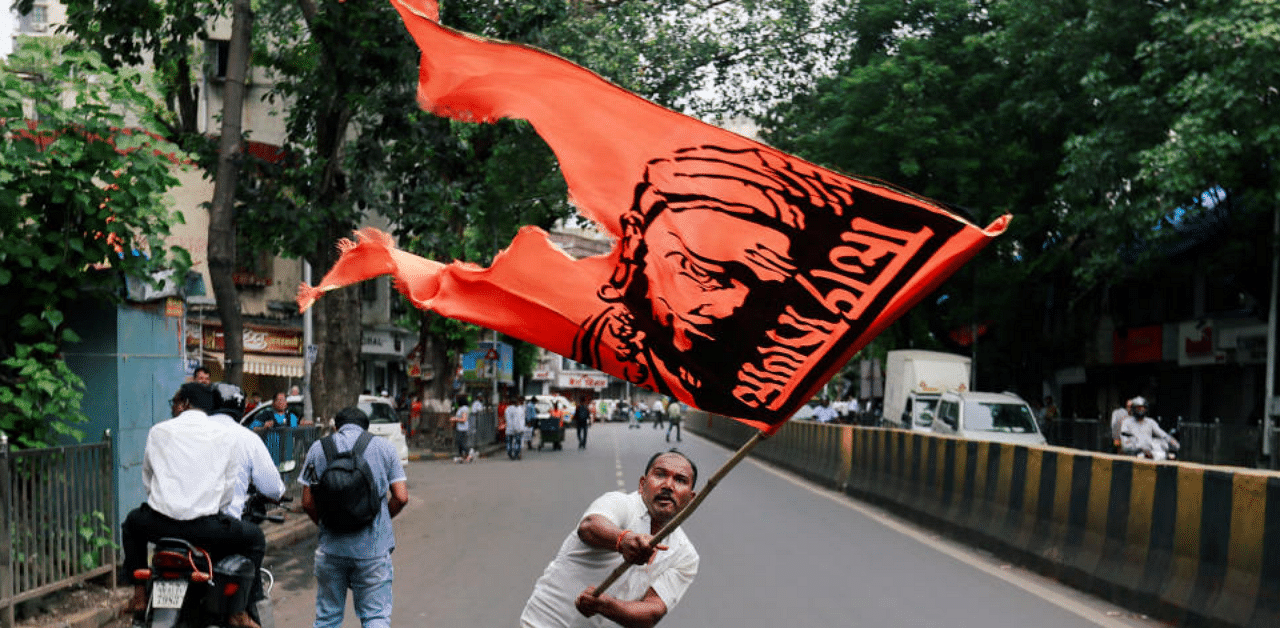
[352, 485]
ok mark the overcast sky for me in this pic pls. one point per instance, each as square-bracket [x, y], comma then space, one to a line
[8, 22]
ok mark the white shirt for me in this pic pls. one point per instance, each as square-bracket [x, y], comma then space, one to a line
[1117, 418]
[657, 405]
[578, 566]
[465, 423]
[253, 466]
[1141, 434]
[188, 466]
[515, 419]
[824, 414]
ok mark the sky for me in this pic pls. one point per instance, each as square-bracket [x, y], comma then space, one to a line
[8, 24]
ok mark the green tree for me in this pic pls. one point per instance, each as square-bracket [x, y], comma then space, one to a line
[82, 186]
[1097, 125]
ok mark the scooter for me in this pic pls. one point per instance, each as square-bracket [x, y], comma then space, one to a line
[186, 588]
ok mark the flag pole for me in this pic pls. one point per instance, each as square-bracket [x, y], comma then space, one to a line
[690, 507]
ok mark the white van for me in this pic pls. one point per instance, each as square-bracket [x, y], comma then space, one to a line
[998, 417]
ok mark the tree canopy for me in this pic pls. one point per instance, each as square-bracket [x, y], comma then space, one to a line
[83, 179]
[1105, 129]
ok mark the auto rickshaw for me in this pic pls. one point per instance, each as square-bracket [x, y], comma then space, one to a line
[551, 411]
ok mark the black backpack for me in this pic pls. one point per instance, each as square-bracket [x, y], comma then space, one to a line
[346, 494]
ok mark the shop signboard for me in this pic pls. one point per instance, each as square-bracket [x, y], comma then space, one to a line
[487, 360]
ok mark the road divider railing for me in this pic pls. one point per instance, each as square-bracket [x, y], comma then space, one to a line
[1188, 543]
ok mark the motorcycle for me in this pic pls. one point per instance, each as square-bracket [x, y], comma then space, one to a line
[186, 588]
[1161, 449]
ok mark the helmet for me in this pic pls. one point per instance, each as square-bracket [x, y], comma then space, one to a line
[228, 399]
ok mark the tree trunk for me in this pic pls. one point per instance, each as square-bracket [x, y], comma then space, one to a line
[222, 233]
[336, 377]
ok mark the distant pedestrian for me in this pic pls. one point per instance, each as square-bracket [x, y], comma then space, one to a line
[359, 559]
[201, 376]
[825, 413]
[582, 421]
[635, 414]
[659, 413]
[674, 411]
[1117, 420]
[461, 430]
[530, 420]
[515, 427]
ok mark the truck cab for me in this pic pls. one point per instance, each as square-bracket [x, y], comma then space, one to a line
[914, 380]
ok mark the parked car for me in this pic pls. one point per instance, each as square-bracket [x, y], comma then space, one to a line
[998, 417]
[385, 422]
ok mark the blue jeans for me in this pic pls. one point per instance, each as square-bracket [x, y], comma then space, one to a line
[370, 582]
[513, 444]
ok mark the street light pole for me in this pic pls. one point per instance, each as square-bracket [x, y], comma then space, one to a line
[1268, 405]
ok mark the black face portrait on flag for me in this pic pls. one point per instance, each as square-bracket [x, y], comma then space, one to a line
[742, 275]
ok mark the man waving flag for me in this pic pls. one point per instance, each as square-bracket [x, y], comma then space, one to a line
[742, 279]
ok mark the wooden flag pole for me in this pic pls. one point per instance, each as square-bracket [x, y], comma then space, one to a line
[690, 507]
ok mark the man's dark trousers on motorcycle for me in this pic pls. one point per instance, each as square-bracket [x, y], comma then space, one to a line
[220, 535]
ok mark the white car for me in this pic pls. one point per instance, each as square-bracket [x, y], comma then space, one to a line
[385, 422]
[998, 417]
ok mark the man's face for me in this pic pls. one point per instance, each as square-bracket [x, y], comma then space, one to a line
[667, 487]
[688, 267]
[202, 377]
[281, 403]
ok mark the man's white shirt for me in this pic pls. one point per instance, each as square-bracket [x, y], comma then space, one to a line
[1141, 434]
[253, 465]
[178, 487]
[578, 565]
[515, 419]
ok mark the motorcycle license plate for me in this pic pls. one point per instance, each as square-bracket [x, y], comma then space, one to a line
[168, 593]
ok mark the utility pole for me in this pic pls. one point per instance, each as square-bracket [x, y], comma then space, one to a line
[308, 350]
[1269, 405]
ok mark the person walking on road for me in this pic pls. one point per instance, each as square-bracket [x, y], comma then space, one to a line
[674, 412]
[515, 427]
[582, 421]
[461, 429]
[359, 560]
[619, 527]
[659, 414]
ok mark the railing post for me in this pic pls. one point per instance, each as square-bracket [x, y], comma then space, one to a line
[106, 468]
[6, 539]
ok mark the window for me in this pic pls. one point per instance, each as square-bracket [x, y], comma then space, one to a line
[36, 21]
[949, 413]
[219, 50]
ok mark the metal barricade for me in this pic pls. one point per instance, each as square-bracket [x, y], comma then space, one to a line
[55, 521]
[290, 444]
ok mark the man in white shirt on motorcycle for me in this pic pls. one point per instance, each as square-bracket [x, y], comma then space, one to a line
[1141, 435]
[189, 469]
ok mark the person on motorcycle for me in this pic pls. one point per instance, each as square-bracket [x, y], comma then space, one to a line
[1141, 435]
[254, 466]
[189, 468]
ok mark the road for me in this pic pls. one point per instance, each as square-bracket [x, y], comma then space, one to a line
[776, 550]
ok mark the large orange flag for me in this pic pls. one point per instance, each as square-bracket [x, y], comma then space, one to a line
[742, 279]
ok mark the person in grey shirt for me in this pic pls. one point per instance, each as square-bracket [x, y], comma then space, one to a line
[360, 560]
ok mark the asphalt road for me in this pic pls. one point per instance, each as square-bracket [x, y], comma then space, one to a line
[776, 551]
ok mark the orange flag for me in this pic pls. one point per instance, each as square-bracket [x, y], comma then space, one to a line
[742, 278]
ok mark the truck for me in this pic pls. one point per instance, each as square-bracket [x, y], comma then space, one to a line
[913, 382]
